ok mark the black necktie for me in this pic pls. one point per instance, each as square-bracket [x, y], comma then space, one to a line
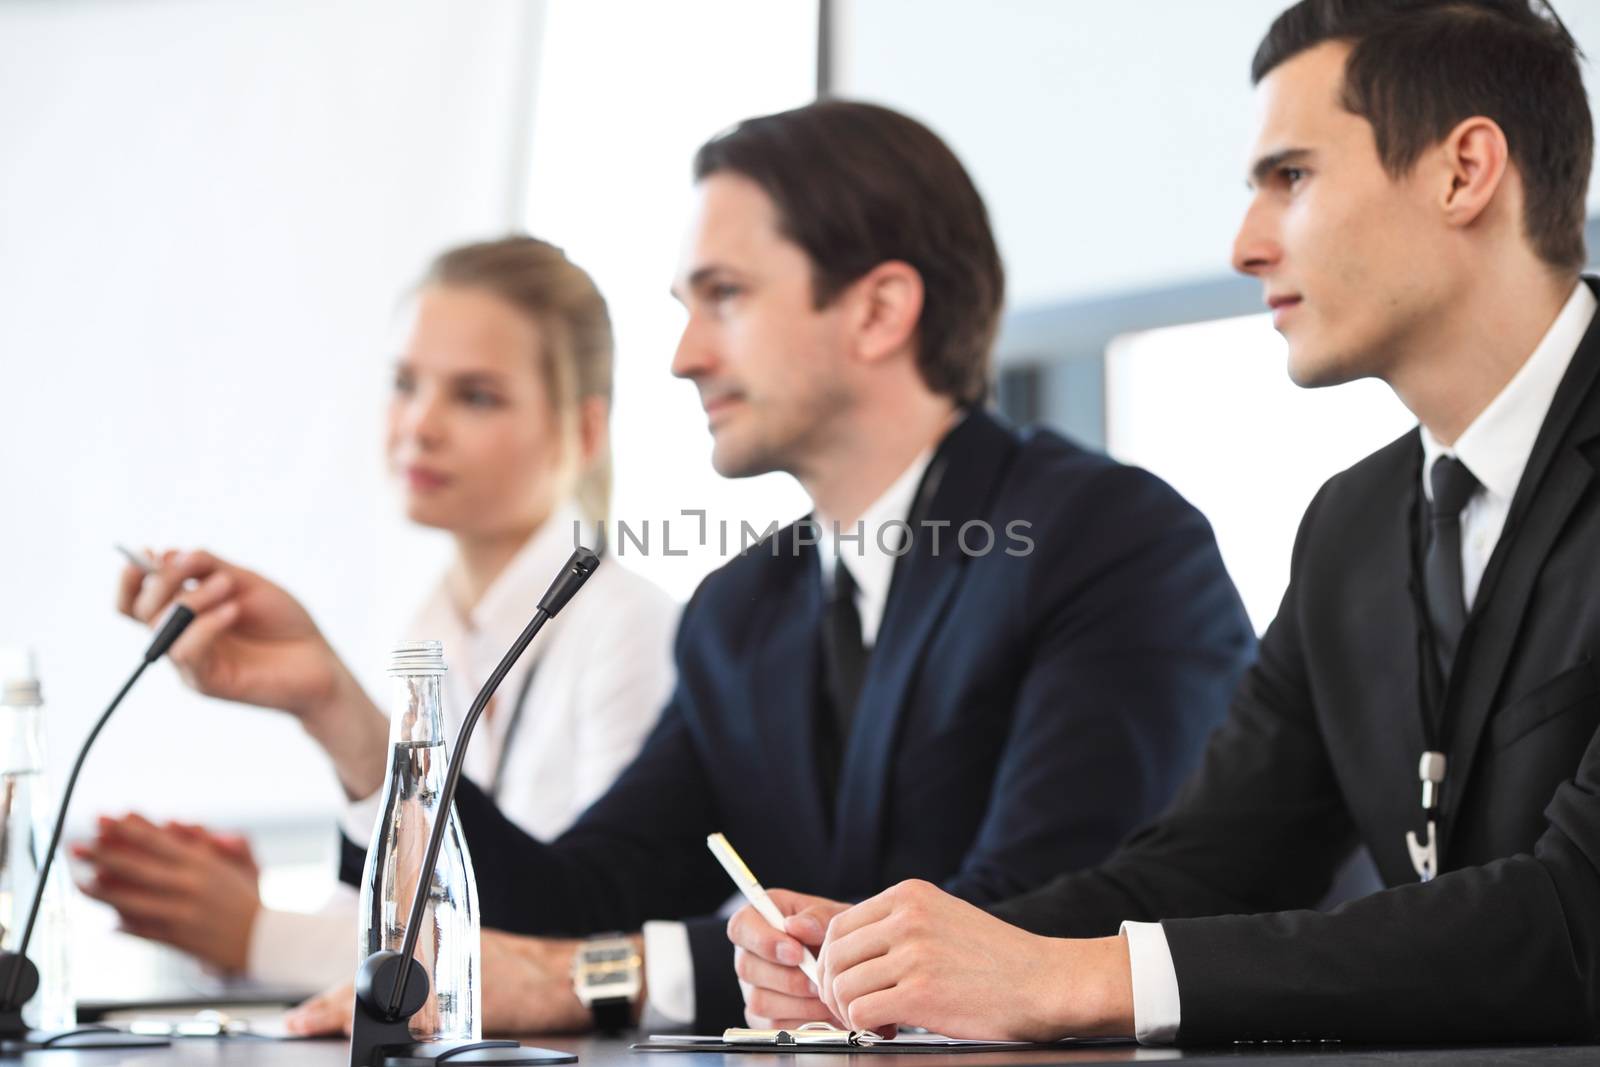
[1453, 485]
[845, 666]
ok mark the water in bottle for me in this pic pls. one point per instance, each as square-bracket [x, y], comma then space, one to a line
[448, 944]
[26, 816]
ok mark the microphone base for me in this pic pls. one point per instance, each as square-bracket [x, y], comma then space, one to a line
[18, 973]
[451, 1054]
[378, 1039]
[84, 1037]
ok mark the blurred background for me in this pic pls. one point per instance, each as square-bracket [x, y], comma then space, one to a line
[210, 211]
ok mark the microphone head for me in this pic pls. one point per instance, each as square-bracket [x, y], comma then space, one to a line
[176, 623]
[569, 581]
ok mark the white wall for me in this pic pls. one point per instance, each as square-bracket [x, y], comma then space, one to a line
[610, 182]
[207, 213]
[1201, 405]
[1108, 139]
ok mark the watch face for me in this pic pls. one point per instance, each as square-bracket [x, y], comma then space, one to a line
[608, 969]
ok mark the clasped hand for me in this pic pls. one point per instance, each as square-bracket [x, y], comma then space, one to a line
[916, 956]
[177, 883]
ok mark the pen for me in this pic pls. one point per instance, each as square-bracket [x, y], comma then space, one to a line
[757, 896]
[139, 559]
[148, 564]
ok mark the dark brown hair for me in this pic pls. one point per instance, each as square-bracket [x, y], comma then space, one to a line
[857, 185]
[1419, 67]
[576, 344]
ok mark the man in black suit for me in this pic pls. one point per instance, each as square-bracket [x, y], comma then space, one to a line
[854, 708]
[1417, 216]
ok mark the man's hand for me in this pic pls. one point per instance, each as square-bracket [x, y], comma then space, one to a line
[527, 985]
[177, 883]
[776, 993]
[527, 989]
[915, 956]
[254, 643]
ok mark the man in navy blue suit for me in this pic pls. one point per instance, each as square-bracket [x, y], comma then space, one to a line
[985, 657]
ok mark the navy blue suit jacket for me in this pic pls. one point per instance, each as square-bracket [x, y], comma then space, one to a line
[1022, 712]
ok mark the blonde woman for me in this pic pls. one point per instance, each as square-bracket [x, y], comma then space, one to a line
[497, 433]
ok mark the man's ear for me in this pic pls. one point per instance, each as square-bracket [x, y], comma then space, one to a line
[1475, 158]
[885, 306]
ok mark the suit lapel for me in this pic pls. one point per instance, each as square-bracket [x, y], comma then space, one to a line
[783, 687]
[969, 465]
[1556, 478]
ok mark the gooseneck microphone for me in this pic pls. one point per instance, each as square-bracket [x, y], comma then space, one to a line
[391, 986]
[19, 977]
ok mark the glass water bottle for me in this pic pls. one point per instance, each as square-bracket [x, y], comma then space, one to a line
[448, 944]
[26, 815]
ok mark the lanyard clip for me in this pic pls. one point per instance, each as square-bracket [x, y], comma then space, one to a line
[1431, 772]
[1425, 854]
[1424, 857]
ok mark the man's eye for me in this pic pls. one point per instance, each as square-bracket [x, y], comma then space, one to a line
[1292, 175]
[724, 291]
[403, 384]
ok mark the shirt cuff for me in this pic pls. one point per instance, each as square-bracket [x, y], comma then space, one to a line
[1155, 984]
[668, 976]
[359, 817]
[303, 952]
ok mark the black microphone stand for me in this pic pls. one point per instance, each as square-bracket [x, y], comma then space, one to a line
[392, 986]
[19, 977]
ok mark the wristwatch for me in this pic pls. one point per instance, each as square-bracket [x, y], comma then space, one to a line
[608, 976]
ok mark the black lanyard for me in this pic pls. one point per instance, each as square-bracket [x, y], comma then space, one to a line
[1432, 685]
[509, 737]
[926, 490]
[1432, 699]
[1433, 691]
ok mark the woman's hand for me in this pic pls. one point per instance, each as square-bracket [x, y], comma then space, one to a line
[177, 883]
[250, 641]
[254, 643]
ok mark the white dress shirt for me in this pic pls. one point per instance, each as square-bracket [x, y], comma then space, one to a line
[1495, 448]
[602, 672]
[869, 549]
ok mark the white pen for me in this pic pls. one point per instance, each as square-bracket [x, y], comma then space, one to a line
[139, 559]
[148, 564]
[745, 879]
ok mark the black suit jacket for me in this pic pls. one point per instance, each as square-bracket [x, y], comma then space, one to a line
[1320, 751]
[1020, 715]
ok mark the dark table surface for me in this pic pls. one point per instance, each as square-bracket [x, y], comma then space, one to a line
[603, 1052]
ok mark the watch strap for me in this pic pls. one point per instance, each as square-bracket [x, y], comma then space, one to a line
[612, 1015]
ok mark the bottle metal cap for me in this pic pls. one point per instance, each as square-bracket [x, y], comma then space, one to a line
[19, 679]
[417, 657]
